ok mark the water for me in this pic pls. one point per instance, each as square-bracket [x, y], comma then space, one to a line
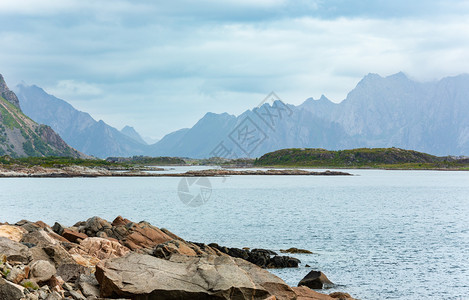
[379, 235]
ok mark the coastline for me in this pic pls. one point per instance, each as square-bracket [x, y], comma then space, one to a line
[126, 260]
[80, 171]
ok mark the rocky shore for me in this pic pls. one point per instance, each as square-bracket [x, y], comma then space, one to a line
[81, 171]
[97, 259]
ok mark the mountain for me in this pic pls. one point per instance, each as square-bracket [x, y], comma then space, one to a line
[20, 136]
[132, 133]
[385, 112]
[77, 128]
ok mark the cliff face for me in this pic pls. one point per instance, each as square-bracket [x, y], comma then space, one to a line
[6, 94]
[21, 136]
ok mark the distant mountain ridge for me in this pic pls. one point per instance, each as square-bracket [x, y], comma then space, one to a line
[391, 111]
[380, 112]
[78, 128]
[20, 136]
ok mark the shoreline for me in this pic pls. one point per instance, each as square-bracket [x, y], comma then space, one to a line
[78, 171]
[96, 259]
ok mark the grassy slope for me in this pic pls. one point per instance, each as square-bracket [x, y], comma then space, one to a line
[385, 158]
[13, 119]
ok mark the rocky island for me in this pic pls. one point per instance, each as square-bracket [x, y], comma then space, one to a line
[85, 171]
[96, 259]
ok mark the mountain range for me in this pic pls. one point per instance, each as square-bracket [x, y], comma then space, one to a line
[20, 136]
[392, 111]
[78, 128]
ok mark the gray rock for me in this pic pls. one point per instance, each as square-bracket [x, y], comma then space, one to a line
[183, 277]
[57, 228]
[89, 286]
[76, 295]
[54, 296]
[10, 291]
[71, 272]
[15, 251]
[316, 280]
[42, 271]
[38, 238]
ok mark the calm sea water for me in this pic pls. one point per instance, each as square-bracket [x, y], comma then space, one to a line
[377, 235]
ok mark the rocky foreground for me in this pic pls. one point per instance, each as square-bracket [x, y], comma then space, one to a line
[81, 171]
[126, 260]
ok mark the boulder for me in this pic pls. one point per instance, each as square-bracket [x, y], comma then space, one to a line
[10, 291]
[73, 236]
[57, 228]
[142, 235]
[120, 221]
[71, 272]
[167, 249]
[315, 280]
[39, 238]
[183, 277]
[88, 285]
[42, 271]
[55, 254]
[14, 233]
[94, 225]
[14, 251]
[283, 262]
[100, 248]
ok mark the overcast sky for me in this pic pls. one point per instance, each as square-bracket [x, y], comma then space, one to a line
[161, 65]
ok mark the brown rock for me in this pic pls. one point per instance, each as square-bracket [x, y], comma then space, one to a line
[184, 277]
[304, 293]
[296, 250]
[86, 260]
[143, 235]
[73, 236]
[14, 233]
[315, 280]
[340, 296]
[100, 248]
[167, 249]
[120, 221]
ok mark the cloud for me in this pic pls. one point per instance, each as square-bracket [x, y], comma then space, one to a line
[72, 88]
[160, 65]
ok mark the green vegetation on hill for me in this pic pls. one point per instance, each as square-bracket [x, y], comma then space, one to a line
[55, 161]
[386, 158]
[148, 161]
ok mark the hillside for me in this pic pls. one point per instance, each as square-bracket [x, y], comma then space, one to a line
[359, 158]
[20, 136]
[78, 128]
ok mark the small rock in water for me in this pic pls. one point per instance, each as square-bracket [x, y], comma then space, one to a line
[315, 280]
[296, 250]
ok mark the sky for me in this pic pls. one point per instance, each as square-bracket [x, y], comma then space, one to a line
[161, 65]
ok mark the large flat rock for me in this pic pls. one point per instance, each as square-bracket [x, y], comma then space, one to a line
[142, 276]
